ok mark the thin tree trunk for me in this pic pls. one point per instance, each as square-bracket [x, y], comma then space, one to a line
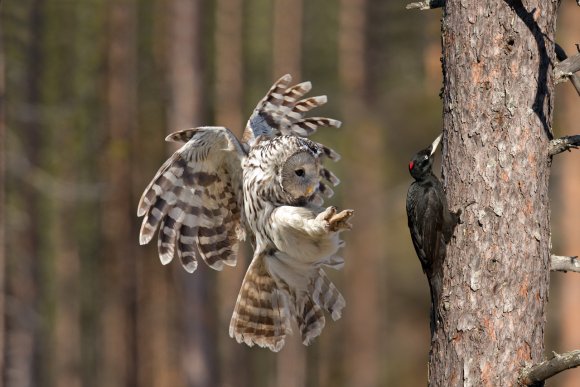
[570, 191]
[67, 340]
[197, 291]
[287, 38]
[3, 286]
[22, 338]
[364, 248]
[497, 124]
[61, 245]
[228, 63]
[235, 361]
[118, 356]
[291, 364]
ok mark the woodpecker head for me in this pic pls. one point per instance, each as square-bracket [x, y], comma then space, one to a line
[422, 162]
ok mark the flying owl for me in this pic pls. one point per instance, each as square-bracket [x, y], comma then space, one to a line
[214, 189]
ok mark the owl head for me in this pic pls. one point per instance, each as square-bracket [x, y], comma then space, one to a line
[299, 177]
[292, 166]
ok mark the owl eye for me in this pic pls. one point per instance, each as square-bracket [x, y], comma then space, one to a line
[299, 172]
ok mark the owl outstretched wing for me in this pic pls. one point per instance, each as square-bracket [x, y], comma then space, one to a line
[195, 200]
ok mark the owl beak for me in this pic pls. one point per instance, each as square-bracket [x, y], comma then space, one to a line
[309, 190]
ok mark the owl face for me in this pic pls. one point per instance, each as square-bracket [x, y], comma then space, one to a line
[284, 170]
[300, 176]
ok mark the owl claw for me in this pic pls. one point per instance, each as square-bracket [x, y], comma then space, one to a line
[327, 214]
[339, 222]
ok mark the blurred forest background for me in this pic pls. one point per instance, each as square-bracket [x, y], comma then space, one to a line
[88, 91]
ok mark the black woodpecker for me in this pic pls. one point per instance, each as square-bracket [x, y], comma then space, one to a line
[430, 221]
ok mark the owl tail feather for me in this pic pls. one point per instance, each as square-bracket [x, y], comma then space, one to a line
[326, 295]
[322, 296]
[310, 320]
[261, 315]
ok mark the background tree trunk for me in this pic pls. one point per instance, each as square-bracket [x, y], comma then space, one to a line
[3, 286]
[23, 281]
[287, 42]
[228, 60]
[199, 318]
[569, 214]
[363, 184]
[119, 292]
[497, 123]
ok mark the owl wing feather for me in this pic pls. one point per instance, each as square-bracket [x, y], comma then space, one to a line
[282, 112]
[195, 200]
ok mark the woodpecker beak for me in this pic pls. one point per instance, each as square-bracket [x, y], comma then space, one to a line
[435, 144]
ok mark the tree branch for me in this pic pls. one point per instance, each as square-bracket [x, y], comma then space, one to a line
[535, 375]
[566, 68]
[562, 144]
[427, 4]
[565, 264]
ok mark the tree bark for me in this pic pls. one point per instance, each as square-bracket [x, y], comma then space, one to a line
[497, 67]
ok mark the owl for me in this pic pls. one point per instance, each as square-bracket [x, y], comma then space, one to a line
[216, 189]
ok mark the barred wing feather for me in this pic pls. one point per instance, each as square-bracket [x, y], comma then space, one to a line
[195, 200]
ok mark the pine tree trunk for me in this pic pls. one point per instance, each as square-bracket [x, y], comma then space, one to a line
[3, 286]
[363, 192]
[287, 31]
[22, 284]
[199, 319]
[497, 124]
[118, 366]
[228, 64]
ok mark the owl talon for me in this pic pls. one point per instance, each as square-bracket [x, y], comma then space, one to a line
[327, 214]
[339, 222]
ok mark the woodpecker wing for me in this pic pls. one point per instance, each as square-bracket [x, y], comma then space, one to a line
[425, 213]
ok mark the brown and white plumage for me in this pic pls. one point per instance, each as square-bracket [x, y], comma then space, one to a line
[214, 187]
[195, 200]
